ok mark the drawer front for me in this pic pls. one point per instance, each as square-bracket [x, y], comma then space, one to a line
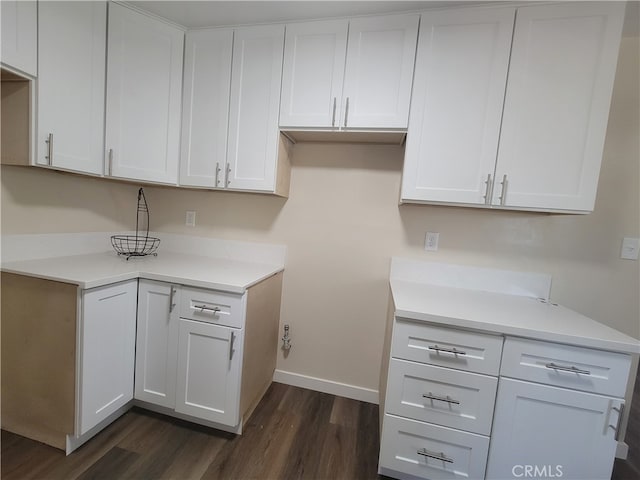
[429, 451]
[447, 347]
[566, 366]
[210, 306]
[441, 395]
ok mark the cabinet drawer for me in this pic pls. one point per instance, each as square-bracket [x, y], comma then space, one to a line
[210, 306]
[430, 451]
[447, 347]
[566, 366]
[441, 395]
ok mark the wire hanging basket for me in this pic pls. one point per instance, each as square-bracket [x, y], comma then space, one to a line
[140, 244]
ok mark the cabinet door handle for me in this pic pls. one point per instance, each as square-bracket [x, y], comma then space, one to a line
[231, 342]
[619, 422]
[454, 351]
[563, 368]
[49, 155]
[333, 117]
[218, 173]
[503, 192]
[438, 456]
[204, 308]
[227, 174]
[446, 399]
[172, 304]
[346, 112]
[110, 171]
[488, 189]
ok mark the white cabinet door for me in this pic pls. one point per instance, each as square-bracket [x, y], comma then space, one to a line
[313, 73]
[456, 109]
[256, 75]
[379, 72]
[205, 109]
[71, 85]
[19, 35]
[556, 108]
[209, 367]
[571, 434]
[107, 347]
[144, 89]
[156, 343]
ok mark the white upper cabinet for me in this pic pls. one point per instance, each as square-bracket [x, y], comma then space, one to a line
[144, 89]
[454, 127]
[313, 73]
[19, 35]
[71, 86]
[256, 74]
[563, 64]
[205, 109]
[353, 74]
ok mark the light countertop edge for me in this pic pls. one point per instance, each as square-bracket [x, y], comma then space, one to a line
[508, 315]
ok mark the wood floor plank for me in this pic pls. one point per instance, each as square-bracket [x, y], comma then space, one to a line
[345, 412]
[111, 465]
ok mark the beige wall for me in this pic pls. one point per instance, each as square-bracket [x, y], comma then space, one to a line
[342, 223]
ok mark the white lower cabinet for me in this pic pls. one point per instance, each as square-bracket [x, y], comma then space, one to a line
[108, 351]
[553, 431]
[209, 363]
[156, 343]
[557, 412]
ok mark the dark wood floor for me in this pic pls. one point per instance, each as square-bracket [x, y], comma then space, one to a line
[293, 434]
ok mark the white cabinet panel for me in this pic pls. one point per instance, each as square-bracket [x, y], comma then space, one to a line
[428, 451]
[205, 110]
[379, 71]
[19, 35]
[219, 308]
[561, 75]
[313, 73]
[256, 74]
[442, 396]
[456, 109]
[156, 343]
[107, 351]
[209, 368]
[555, 428]
[144, 89]
[71, 85]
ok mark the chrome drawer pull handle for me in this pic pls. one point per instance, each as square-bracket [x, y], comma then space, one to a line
[446, 399]
[619, 422]
[438, 456]
[204, 308]
[572, 369]
[49, 155]
[438, 349]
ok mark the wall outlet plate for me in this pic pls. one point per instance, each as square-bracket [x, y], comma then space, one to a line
[630, 248]
[431, 241]
[190, 220]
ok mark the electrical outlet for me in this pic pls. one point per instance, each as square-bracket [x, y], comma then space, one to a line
[431, 241]
[630, 248]
[190, 220]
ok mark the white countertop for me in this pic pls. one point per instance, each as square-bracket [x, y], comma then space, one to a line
[97, 269]
[500, 313]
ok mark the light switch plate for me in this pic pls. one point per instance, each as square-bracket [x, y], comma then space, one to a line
[630, 248]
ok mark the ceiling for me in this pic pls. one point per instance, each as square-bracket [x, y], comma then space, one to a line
[198, 14]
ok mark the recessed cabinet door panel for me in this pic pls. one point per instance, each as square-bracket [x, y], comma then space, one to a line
[20, 35]
[108, 351]
[205, 109]
[256, 75]
[156, 343]
[313, 73]
[565, 431]
[144, 89]
[561, 75]
[456, 109]
[71, 85]
[209, 363]
[379, 71]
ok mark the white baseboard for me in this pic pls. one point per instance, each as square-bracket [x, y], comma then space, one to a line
[622, 450]
[326, 386]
